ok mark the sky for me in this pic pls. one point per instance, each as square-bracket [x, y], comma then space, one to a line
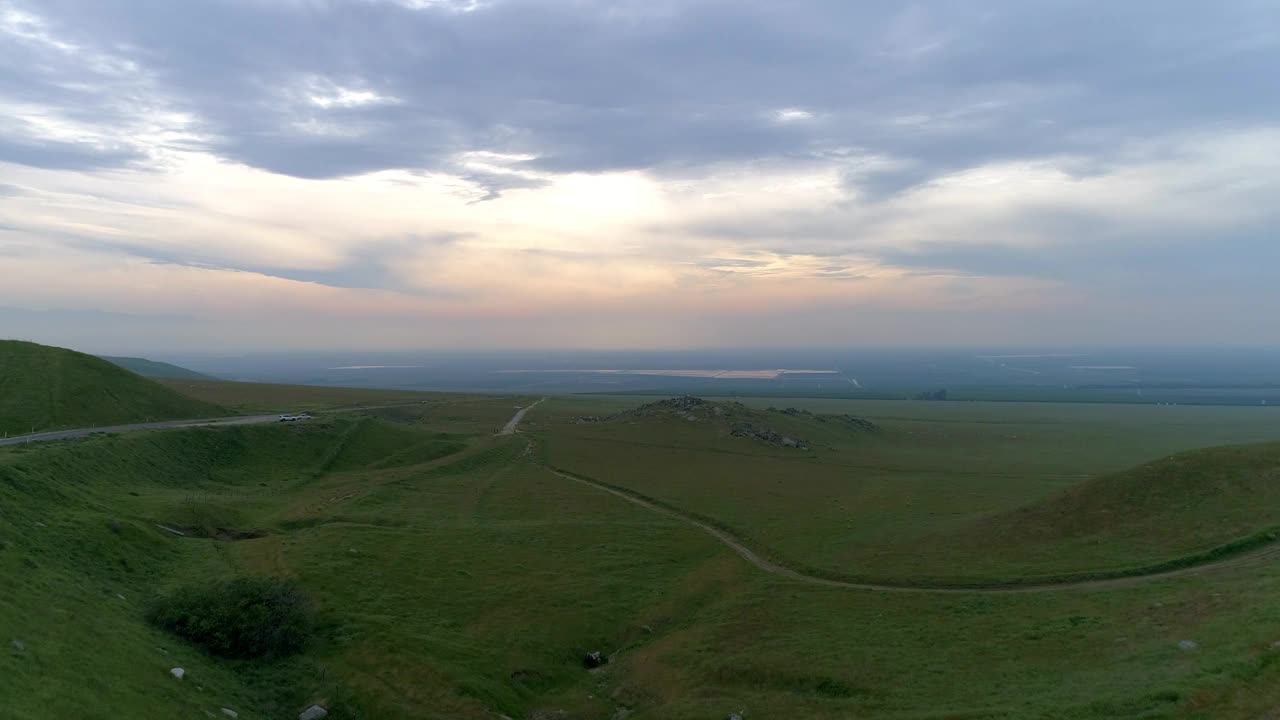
[249, 175]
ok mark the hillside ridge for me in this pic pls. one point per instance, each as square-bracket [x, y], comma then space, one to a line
[48, 388]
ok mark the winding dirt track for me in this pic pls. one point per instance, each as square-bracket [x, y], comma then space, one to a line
[1266, 554]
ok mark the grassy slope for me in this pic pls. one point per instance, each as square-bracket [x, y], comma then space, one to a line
[891, 505]
[48, 388]
[1179, 506]
[155, 369]
[470, 584]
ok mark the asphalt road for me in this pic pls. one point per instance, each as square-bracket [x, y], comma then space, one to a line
[84, 432]
[514, 422]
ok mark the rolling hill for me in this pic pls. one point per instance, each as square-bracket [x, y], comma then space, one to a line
[1183, 509]
[48, 388]
[155, 369]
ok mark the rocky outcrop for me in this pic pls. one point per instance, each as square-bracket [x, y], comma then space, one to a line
[855, 423]
[765, 435]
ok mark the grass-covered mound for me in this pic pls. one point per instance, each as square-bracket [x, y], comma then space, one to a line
[48, 388]
[246, 617]
[1190, 507]
[788, 428]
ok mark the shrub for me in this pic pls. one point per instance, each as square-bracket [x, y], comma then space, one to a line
[241, 618]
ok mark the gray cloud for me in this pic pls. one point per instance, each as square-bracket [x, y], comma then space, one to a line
[630, 84]
[65, 156]
[683, 89]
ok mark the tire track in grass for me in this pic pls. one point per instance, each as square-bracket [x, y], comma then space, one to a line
[1269, 552]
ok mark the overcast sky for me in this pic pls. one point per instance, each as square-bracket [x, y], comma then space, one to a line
[391, 174]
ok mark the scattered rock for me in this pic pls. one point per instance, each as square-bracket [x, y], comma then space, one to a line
[120, 596]
[177, 672]
[40, 524]
[19, 645]
[1188, 644]
[736, 716]
[747, 430]
[230, 713]
[647, 630]
[315, 712]
[1275, 645]
[594, 660]
[856, 423]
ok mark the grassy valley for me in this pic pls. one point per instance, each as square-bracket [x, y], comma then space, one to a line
[454, 573]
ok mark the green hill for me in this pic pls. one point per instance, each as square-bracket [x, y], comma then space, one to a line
[1179, 510]
[155, 369]
[48, 388]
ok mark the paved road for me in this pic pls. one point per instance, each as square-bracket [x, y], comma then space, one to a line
[1267, 554]
[514, 422]
[163, 424]
[84, 432]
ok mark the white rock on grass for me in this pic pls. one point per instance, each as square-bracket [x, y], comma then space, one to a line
[315, 712]
[177, 672]
[1188, 644]
[19, 645]
[230, 713]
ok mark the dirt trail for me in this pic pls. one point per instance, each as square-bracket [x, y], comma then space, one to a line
[1266, 554]
[514, 423]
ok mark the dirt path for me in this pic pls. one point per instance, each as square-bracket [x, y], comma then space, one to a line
[1269, 553]
[514, 423]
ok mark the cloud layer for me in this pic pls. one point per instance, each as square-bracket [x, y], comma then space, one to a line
[504, 173]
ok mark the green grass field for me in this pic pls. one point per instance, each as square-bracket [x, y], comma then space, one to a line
[456, 576]
[928, 498]
[264, 397]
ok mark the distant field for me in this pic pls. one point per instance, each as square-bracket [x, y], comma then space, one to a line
[457, 578]
[153, 369]
[263, 397]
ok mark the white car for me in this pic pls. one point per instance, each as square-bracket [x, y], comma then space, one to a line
[288, 418]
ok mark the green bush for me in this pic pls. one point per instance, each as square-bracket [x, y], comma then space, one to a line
[241, 618]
